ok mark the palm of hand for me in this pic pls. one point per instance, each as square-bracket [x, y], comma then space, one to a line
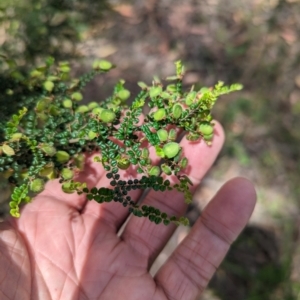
[70, 258]
[64, 247]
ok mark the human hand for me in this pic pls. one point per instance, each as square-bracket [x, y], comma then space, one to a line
[65, 247]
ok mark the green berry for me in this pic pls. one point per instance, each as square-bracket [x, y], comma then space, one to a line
[208, 137]
[162, 135]
[154, 171]
[37, 185]
[155, 91]
[67, 174]
[48, 86]
[189, 100]
[172, 134]
[97, 111]
[77, 96]
[67, 103]
[160, 114]
[93, 105]
[36, 73]
[62, 156]
[82, 109]
[107, 115]
[123, 95]
[206, 128]
[92, 135]
[65, 69]
[171, 149]
[67, 188]
[105, 65]
[166, 169]
[123, 163]
[183, 163]
[177, 111]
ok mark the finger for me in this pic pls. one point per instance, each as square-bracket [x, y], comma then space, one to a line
[149, 238]
[189, 269]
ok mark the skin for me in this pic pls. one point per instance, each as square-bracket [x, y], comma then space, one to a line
[65, 247]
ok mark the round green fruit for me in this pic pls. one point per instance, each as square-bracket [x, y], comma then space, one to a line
[67, 174]
[93, 105]
[154, 171]
[160, 114]
[155, 91]
[77, 96]
[105, 65]
[171, 149]
[162, 135]
[107, 116]
[82, 109]
[92, 135]
[48, 85]
[177, 111]
[37, 185]
[166, 169]
[206, 128]
[123, 95]
[62, 156]
[189, 100]
[123, 163]
[67, 103]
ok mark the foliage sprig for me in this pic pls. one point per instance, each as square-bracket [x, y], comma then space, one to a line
[49, 137]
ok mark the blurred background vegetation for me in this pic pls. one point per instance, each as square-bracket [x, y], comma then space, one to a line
[256, 43]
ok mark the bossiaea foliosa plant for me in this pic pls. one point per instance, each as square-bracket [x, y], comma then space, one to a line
[51, 134]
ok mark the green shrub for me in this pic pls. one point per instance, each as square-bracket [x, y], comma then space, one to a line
[48, 134]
